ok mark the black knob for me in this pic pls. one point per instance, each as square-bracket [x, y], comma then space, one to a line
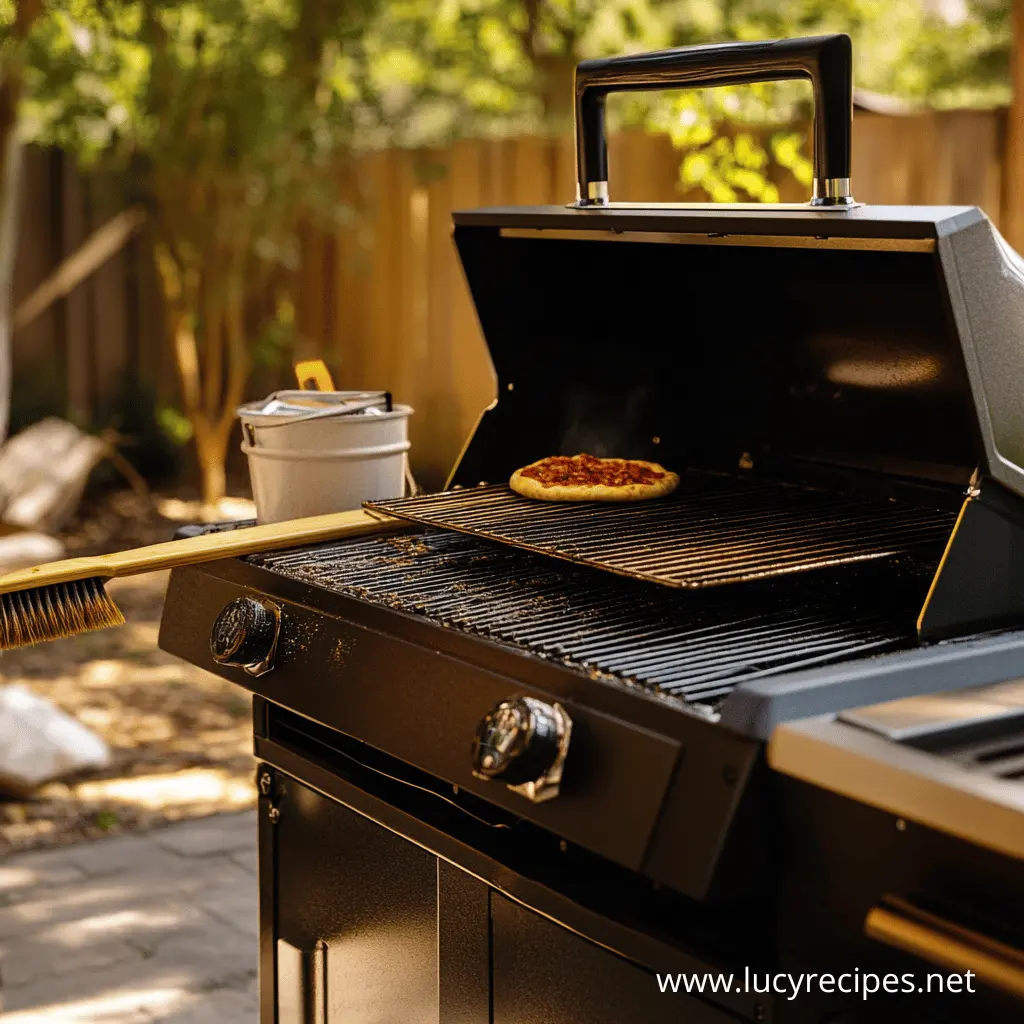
[245, 633]
[523, 740]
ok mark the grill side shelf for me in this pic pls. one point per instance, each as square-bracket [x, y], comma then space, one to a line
[713, 530]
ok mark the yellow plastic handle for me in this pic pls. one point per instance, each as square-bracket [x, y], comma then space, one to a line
[313, 375]
[208, 547]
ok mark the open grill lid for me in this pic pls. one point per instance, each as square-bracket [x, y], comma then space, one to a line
[869, 348]
[711, 337]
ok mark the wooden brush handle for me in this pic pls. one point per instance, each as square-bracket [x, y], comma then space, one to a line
[207, 548]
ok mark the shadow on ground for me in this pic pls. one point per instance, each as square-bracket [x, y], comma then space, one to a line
[181, 738]
[142, 928]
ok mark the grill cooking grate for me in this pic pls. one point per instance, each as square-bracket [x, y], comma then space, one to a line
[713, 530]
[695, 649]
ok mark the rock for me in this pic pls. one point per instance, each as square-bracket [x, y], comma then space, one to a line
[41, 742]
[43, 471]
[22, 549]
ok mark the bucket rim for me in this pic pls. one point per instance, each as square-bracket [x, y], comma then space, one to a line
[255, 419]
[326, 454]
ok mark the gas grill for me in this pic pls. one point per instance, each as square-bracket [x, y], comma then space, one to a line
[513, 751]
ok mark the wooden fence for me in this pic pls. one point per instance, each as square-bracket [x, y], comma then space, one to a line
[383, 300]
[78, 357]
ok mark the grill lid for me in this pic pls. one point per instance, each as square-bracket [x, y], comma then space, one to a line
[711, 339]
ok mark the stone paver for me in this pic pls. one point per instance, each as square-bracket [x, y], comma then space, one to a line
[159, 927]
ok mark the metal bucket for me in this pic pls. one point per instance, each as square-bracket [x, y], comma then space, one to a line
[343, 449]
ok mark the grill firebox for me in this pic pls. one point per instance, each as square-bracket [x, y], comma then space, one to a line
[692, 647]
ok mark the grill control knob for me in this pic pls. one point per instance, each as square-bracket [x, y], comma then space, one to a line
[245, 635]
[523, 742]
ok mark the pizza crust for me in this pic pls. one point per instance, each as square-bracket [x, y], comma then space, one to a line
[530, 487]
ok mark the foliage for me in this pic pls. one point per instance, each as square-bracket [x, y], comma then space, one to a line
[421, 72]
[435, 70]
[230, 119]
[935, 52]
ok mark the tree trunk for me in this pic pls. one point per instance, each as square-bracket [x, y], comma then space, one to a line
[212, 452]
[555, 73]
[11, 157]
[214, 366]
[10, 209]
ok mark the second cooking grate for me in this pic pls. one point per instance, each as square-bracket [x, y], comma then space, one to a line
[695, 649]
[713, 530]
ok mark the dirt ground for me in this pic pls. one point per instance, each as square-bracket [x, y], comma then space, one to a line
[180, 737]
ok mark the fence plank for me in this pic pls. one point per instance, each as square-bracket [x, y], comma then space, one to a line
[382, 295]
[643, 168]
[531, 180]
[312, 314]
[350, 278]
[974, 139]
[1013, 154]
[36, 359]
[77, 321]
[110, 307]
[437, 402]
[564, 180]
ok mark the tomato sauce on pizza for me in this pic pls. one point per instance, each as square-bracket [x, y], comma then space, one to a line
[589, 478]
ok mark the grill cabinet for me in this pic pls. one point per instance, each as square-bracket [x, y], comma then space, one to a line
[838, 387]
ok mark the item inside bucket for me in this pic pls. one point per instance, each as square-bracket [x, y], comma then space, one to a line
[299, 403]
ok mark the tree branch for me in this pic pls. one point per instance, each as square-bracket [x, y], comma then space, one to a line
[11, 85]
[25, 14]
[238, 353]
[213, 344]
[528, 37]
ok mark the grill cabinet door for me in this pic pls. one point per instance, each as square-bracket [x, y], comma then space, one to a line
[545, 974]
[356, 918]
[372, 929]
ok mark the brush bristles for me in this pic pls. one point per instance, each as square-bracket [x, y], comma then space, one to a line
[61, 609]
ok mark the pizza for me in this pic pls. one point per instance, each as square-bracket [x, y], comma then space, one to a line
[588, 478]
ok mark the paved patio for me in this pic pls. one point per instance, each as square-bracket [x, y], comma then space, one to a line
[149, 927]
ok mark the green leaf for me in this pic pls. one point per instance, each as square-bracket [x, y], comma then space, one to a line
[175, 426]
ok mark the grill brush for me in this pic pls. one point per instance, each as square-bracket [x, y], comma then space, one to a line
[66, 598]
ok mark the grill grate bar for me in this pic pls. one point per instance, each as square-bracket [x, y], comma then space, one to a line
[713, 530]
[716, 687]
[694, 656]
[695, 649]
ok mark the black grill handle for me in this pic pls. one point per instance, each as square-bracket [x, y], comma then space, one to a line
[826, 60]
